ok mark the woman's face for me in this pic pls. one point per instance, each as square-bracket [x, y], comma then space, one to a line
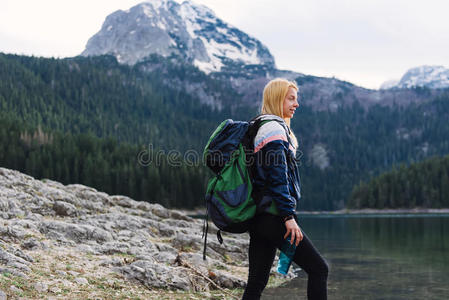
[290, 103]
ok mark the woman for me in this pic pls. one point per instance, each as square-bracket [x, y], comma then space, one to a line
[276, 184]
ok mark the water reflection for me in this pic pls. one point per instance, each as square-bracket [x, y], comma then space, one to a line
[378, 257]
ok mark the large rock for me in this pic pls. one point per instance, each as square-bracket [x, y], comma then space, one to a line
[11, 233]
[78, 233]
[64, 209]
[10, 260]
[153, 274]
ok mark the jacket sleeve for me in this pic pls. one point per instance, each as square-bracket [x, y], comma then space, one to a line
[274, 166]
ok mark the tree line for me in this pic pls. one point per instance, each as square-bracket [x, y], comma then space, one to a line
[422, 184]
[104, 164]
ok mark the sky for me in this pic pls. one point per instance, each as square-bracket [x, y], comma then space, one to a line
[365, 42]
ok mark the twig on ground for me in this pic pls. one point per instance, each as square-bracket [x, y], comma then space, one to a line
[187, 265]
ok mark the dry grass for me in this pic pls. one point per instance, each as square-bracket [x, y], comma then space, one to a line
[58, 267]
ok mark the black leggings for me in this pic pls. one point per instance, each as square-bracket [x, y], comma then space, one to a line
[267, 234]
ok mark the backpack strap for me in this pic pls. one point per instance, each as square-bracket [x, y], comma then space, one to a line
[265, 118]
[205, 230]
[248, 143]
[206, 221]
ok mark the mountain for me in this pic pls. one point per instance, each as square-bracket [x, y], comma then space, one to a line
[164, 37]
[190, 31]
[434, 77]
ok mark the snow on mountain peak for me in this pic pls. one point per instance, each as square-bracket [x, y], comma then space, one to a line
[187, 30]
[428, 76]
[155, 4]
[201, 10]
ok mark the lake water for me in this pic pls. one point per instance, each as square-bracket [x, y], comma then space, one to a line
[377, 257]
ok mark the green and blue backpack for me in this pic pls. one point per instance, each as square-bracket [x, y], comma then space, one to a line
[229, 153]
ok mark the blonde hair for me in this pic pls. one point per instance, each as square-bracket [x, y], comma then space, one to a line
[274, 95]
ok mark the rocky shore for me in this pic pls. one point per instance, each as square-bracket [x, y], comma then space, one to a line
[74, 242]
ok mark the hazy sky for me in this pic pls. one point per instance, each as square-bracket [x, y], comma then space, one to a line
[365, 42]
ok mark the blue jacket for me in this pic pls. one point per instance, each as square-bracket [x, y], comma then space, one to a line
[276, 176]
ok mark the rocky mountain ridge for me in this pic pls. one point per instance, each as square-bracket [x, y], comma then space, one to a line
[318, 93]
[433, 77]
[190, 31]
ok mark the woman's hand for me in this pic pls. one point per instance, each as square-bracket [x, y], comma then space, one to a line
[294, 230]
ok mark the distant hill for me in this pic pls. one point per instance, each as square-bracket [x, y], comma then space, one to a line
[422, 184]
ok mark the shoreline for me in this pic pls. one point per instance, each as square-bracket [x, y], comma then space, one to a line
[345, 211]
[368, 211]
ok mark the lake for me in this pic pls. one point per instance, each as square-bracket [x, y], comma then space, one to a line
[377, 257]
